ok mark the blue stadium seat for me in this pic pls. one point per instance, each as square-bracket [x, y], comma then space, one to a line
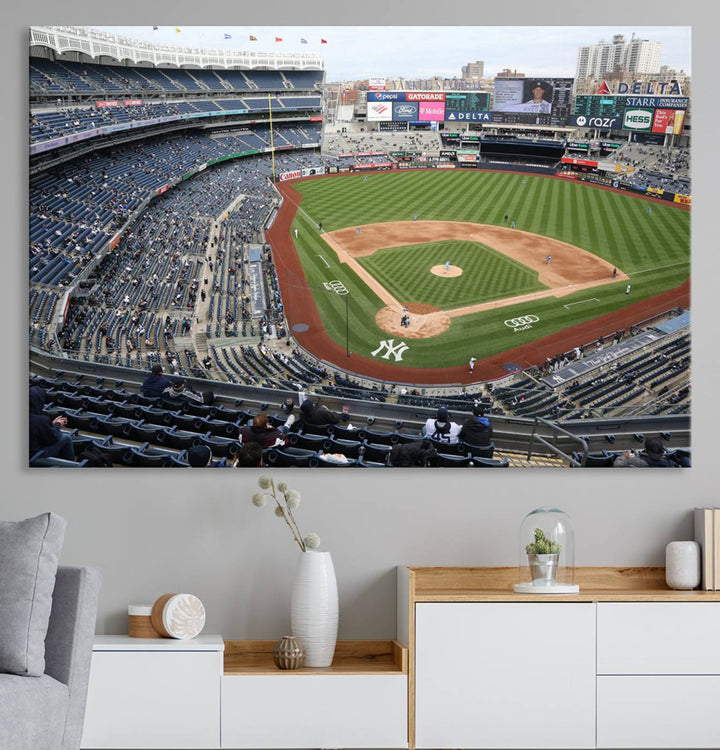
[290, 456]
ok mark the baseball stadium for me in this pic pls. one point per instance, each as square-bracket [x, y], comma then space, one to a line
[349, 278]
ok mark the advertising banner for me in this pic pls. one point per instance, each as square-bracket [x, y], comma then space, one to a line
[406, 111]
[468, 117]
[432, 111]
[385, 96]
[657, 102]
[132, 102]
[668, 121]
[290, 175]
[425, 96]
[376, 84]
[605, 123]
[582, 162]
[377, 111]
[639, 120]
[107, 103]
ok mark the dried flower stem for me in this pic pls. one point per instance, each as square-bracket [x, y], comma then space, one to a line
[288, 516]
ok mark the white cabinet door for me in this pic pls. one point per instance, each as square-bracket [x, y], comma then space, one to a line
[153, 699]
[505, 675]
[311, 711]
[658, 711]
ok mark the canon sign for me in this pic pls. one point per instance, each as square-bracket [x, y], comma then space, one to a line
[637, 119]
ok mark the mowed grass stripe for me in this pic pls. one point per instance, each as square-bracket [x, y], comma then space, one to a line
[487, 274]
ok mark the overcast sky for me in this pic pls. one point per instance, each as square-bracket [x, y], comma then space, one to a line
[357, 52]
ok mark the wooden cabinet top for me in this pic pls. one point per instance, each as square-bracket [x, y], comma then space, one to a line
[631, 584]
[351, 657]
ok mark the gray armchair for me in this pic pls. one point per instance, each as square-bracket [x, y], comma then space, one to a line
[47, 712]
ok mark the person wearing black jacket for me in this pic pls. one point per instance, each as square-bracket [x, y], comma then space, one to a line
[477, 429]
[46, 435]
[155, 383]
[314, 413]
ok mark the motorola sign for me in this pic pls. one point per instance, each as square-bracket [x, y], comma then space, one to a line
[606, 123]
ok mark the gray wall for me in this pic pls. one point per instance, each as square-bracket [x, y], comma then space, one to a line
[153, 532]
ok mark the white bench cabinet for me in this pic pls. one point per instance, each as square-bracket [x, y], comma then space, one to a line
[154, 693]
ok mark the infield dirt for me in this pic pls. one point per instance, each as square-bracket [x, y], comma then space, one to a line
[570, 269]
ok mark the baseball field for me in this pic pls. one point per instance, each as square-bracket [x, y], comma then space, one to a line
[483, 264]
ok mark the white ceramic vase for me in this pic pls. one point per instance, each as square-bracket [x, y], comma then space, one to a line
[314, 607]
[682, 565]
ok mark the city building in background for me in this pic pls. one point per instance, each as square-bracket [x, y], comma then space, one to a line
[635, 56]
[474, 70]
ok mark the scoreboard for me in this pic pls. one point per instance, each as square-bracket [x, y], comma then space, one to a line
[471, 101]
[512, 101]
[599, 106]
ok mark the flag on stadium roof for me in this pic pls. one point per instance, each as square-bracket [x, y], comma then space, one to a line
[253, 38]
[303, 41]
[155, 28]
[323, 41]
[227, 36]
[177, 30]
[278, 39]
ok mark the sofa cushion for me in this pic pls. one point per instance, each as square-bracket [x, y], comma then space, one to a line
[32, 712]
[29, 553]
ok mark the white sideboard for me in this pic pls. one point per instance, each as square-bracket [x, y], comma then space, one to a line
[154, 693]
[626, 663]
[206, 693]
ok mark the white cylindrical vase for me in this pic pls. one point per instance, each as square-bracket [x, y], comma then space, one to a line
[682, 565]
[314, 607]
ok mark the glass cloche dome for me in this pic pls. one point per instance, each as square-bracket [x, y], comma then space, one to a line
[546, 553]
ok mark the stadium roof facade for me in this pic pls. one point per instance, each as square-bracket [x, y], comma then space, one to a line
[84, 43]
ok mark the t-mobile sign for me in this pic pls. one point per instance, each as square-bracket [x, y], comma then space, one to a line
[432, 111]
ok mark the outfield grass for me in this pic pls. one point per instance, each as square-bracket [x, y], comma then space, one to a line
[653, 249]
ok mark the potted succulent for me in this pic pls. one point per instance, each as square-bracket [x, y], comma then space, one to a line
[543, 555]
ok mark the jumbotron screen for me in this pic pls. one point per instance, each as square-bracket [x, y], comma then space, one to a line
[532, 101]
[427, 106]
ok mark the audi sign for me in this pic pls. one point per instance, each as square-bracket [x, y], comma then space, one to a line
[521, 323]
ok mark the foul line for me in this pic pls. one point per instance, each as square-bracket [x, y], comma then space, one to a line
[660, 268]
[582, 302]
[327, 265]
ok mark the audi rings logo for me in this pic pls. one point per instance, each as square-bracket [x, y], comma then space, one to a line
[522, 323]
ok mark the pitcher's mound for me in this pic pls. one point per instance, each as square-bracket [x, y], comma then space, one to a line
[448, 272]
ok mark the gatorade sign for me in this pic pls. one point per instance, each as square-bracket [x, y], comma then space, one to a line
[638, 119]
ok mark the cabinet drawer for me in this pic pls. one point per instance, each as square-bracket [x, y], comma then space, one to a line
[658, 638]
[660, 711]
[153, 700]
[300, 711]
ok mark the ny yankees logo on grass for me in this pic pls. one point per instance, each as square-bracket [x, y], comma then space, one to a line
[396, 350]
